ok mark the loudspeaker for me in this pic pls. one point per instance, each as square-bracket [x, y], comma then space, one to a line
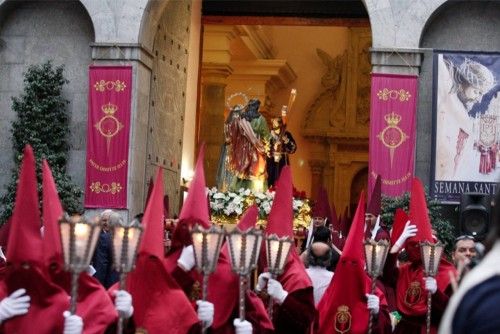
[475, 214]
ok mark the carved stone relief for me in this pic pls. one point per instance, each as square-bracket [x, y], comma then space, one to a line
[329, 106]
[339, 117]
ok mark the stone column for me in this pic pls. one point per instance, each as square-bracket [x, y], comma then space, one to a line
[396, 61]
[214, 72]
[317, 171]
[211, 119]
[141, 61]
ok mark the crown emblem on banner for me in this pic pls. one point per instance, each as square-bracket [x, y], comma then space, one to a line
[392, 119]
[343, 308]
[109, 108]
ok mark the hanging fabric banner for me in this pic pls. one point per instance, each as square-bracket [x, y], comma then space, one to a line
[392, 132]
[108, 136]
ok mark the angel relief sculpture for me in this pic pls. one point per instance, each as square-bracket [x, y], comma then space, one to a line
[332, 100]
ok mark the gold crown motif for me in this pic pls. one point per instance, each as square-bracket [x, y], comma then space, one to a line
[343, 308]
[392, 119]
[109, 109]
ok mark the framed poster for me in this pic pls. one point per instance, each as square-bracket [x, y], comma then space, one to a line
[466, 127]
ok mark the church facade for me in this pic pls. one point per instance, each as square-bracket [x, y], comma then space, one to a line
[184, 68]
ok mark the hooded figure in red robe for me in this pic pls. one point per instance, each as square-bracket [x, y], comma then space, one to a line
[346, 304]
[409, 279]
[223, 284]
[159, 303]
[291, 291]
[39, 302]
[94, 305]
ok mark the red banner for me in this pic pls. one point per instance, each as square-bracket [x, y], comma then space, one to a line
[108, 136]
[392, 132]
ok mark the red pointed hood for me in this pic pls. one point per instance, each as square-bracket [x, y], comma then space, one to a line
[419, 215]
[159, 302]
[25, 229]
[152, 240]
[52, 212]
[249, 218]
[48, 301]
[280, 219]
[322, 207]
[339, 301]
[280, 222]
[400, 219]
[195, 207]
[375, 201]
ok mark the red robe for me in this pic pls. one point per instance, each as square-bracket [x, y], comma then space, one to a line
[47, 304]
[94, 304]
[411, 296]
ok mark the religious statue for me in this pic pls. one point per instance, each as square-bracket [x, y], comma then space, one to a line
[248, 138]
[281, 144]
[224, 174]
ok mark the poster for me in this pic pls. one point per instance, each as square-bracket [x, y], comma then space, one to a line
[466, 124]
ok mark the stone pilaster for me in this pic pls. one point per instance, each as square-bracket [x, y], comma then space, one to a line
[141, 61]
[214, 73]
[396, 61]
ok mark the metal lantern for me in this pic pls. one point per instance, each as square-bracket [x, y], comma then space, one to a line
[431, 256]
[78, 238]
[244, 248]
[277, 250]
[375, 256]
[125, 240]
[206, 246]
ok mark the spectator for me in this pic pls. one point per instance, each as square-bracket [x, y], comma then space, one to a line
[103, 255]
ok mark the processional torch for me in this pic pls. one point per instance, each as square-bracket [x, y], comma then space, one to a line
[206, 247]
[277, 250]
[244, 250]
[431, 256]
[375, 256]
[78, 238]
[125, 239]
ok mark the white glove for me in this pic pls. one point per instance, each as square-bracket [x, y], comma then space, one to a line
[262, 281]
[408, 232]
[16, 304]
[123, 303]
[186, 260]
[275, 290]
[373, 303]
[205, 312]
[73, 324]
[2, 255]
[242, 327]
[430, 284]
[91, 270]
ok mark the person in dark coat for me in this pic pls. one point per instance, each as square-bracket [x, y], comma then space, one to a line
[102, 260]
[474, 306]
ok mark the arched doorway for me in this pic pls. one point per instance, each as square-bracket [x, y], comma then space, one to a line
[330, 70]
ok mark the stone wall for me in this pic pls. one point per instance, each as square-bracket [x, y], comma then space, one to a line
[32, 33]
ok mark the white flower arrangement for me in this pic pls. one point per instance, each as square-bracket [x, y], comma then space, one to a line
[229, 205]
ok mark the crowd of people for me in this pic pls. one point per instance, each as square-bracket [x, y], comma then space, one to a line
[324, 288]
